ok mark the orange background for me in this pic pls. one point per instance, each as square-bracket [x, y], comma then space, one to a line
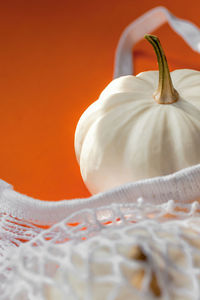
[55, 59]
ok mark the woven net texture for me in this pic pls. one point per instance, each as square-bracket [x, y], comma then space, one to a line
[134, 251]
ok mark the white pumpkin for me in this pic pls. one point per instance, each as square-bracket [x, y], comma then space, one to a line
[128, 134]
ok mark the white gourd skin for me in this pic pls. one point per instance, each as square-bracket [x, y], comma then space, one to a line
[127, 136]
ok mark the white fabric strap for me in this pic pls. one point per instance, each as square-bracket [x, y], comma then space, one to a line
[183, 186]
[147, 23]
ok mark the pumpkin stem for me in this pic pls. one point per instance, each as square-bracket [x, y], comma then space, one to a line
[165, 93]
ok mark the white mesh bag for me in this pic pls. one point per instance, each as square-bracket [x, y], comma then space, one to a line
[133, 251]
[138, 241]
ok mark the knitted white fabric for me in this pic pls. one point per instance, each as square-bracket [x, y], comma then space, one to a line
[182, 187]
[56, 263]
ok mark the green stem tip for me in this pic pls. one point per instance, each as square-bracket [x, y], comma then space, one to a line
[165, 93]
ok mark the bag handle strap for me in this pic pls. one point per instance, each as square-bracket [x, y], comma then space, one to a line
[147, 23]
